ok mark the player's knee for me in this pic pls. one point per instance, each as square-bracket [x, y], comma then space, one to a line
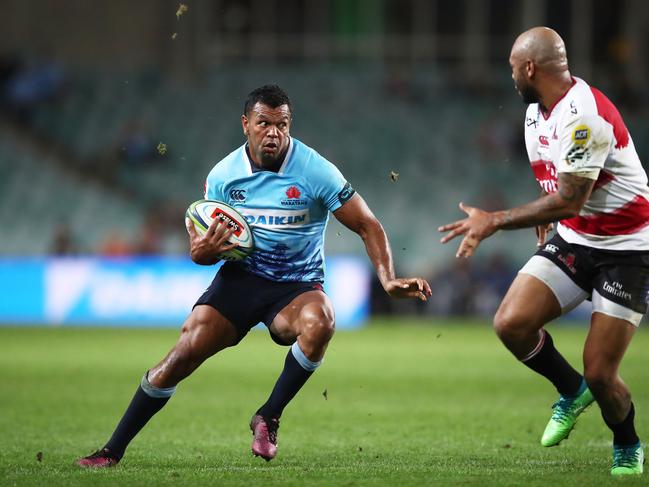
[599, 377]
[317, 323]
[509, 325]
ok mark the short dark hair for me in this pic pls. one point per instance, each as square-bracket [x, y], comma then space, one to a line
[271, 95]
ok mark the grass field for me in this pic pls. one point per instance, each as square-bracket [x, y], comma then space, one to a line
[417, 403]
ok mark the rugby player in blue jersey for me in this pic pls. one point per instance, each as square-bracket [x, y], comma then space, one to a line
[286, 191]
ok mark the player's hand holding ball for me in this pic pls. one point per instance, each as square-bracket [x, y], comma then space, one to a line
[206, 249]
[217, 231]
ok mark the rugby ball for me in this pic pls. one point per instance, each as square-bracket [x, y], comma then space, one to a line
[203, 212]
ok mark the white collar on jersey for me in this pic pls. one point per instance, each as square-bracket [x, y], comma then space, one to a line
[287, 157]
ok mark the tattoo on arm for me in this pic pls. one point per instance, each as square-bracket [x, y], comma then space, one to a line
[572, 194]
[574, 188]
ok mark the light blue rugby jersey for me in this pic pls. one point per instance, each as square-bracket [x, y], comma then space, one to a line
[287, 210]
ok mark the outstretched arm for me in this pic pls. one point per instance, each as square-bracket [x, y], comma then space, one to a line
[356, 215]
[571, 195]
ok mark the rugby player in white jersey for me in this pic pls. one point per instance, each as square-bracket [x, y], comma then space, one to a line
[294, 189]
[594, 186]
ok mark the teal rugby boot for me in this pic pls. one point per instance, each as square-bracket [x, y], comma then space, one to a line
[627, 460]
[566, 411]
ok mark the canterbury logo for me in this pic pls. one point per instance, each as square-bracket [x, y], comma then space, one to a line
[238, 194]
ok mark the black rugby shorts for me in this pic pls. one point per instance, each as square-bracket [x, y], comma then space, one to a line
[620, 276]
[246, 299]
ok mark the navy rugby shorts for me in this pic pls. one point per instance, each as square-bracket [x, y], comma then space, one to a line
[246, 299]
[620, 278]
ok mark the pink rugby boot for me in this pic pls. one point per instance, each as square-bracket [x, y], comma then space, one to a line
[264, 432]
[100, 459]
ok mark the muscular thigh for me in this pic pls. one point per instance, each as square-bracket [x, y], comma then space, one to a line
[300, 312]
[555, 280]
[530, 302]
[206, 331]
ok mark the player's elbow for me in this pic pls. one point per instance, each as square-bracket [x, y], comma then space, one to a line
[571, 210]
[568, 207]
[369, 227]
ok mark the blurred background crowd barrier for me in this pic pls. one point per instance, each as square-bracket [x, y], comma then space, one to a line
[112, 114]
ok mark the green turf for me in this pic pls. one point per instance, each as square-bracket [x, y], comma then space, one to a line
[430, 403]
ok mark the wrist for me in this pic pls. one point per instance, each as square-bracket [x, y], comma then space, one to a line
[385, 281]
[499, 219]
[200, 255]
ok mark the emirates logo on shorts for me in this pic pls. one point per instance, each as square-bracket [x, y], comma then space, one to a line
[616, 289]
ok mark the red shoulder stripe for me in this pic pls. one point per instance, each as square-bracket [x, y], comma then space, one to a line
[609, 112]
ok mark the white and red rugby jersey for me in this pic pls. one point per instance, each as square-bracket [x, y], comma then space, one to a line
[584, 134]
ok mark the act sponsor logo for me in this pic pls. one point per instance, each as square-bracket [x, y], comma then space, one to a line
[581, 134]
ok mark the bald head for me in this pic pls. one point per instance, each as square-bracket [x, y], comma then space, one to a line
[540, 66]
[543, 47]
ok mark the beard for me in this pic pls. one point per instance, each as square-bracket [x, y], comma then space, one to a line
[272, 161]
[529, 94]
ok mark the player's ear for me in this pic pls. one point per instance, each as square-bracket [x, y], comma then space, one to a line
[244, 125]
[530, 69]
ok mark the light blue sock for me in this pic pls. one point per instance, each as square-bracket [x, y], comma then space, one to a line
[153, 391]
[302, 359]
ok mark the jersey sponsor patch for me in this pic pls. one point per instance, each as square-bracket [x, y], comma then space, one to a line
[294, 197]
[577, 156]
[581, 134]
[276, 219]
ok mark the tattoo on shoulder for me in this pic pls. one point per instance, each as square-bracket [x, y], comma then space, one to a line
[574, 188]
